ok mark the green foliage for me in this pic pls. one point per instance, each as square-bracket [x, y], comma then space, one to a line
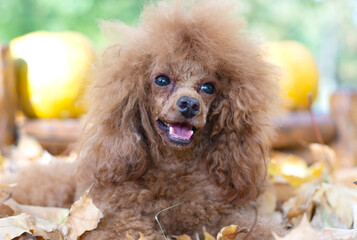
[19, 17]
[327, 27]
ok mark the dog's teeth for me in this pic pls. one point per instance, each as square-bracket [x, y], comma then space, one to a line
[171, 131]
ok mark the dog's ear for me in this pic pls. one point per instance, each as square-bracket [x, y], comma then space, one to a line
[114, 147]
[235, 155]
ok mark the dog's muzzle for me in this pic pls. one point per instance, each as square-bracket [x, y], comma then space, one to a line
[188, 107]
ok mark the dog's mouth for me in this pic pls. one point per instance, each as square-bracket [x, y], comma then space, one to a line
[177, 133]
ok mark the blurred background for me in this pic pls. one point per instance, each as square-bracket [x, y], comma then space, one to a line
[328, 28]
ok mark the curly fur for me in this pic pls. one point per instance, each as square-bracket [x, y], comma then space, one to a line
[136, 172]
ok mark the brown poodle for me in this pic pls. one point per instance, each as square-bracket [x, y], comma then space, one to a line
[180, 117]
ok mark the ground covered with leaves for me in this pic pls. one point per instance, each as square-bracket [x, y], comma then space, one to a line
[308, 193]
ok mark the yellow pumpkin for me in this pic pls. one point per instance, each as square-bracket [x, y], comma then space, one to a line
[51, 73]
[298, 71]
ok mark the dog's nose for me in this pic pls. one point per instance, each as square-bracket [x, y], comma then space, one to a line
[189, 107]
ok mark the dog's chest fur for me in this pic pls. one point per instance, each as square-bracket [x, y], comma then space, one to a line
[187, 190]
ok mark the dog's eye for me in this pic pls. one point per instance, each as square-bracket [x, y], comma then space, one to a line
[162, 80]
[208, 88]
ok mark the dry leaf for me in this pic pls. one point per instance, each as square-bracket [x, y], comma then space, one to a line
[45, 221]
[327, 205]
[208, 236]
[129, 237]
[8, 185]
[83, 216]
[141, 237]
[230, 232]
[294, 169]
[301, 204]
[337, 204]
[183, 237]
[338, 234]
[14, 226]
[303, 231]
[53, 223]
[51, 214]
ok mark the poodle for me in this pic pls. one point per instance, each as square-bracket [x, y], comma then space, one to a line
[179, 119]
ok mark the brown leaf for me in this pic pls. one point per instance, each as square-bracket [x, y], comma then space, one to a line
[14, 226]
[83, 216]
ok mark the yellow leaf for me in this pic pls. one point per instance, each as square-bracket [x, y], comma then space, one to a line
[128, 236]
[208, 236]
[287, 164]
[8, 185]
[294, 169]
[83, 216]
[142, 237]
[230, 232]
[183, 237]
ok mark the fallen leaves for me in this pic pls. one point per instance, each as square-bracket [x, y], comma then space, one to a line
[317, 206]
[312, 195]
[227, 233]
[47, 222]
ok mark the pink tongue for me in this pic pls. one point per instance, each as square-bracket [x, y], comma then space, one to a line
[180, 131]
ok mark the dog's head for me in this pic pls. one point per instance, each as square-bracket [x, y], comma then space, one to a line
[182, 93]
[187, 78]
